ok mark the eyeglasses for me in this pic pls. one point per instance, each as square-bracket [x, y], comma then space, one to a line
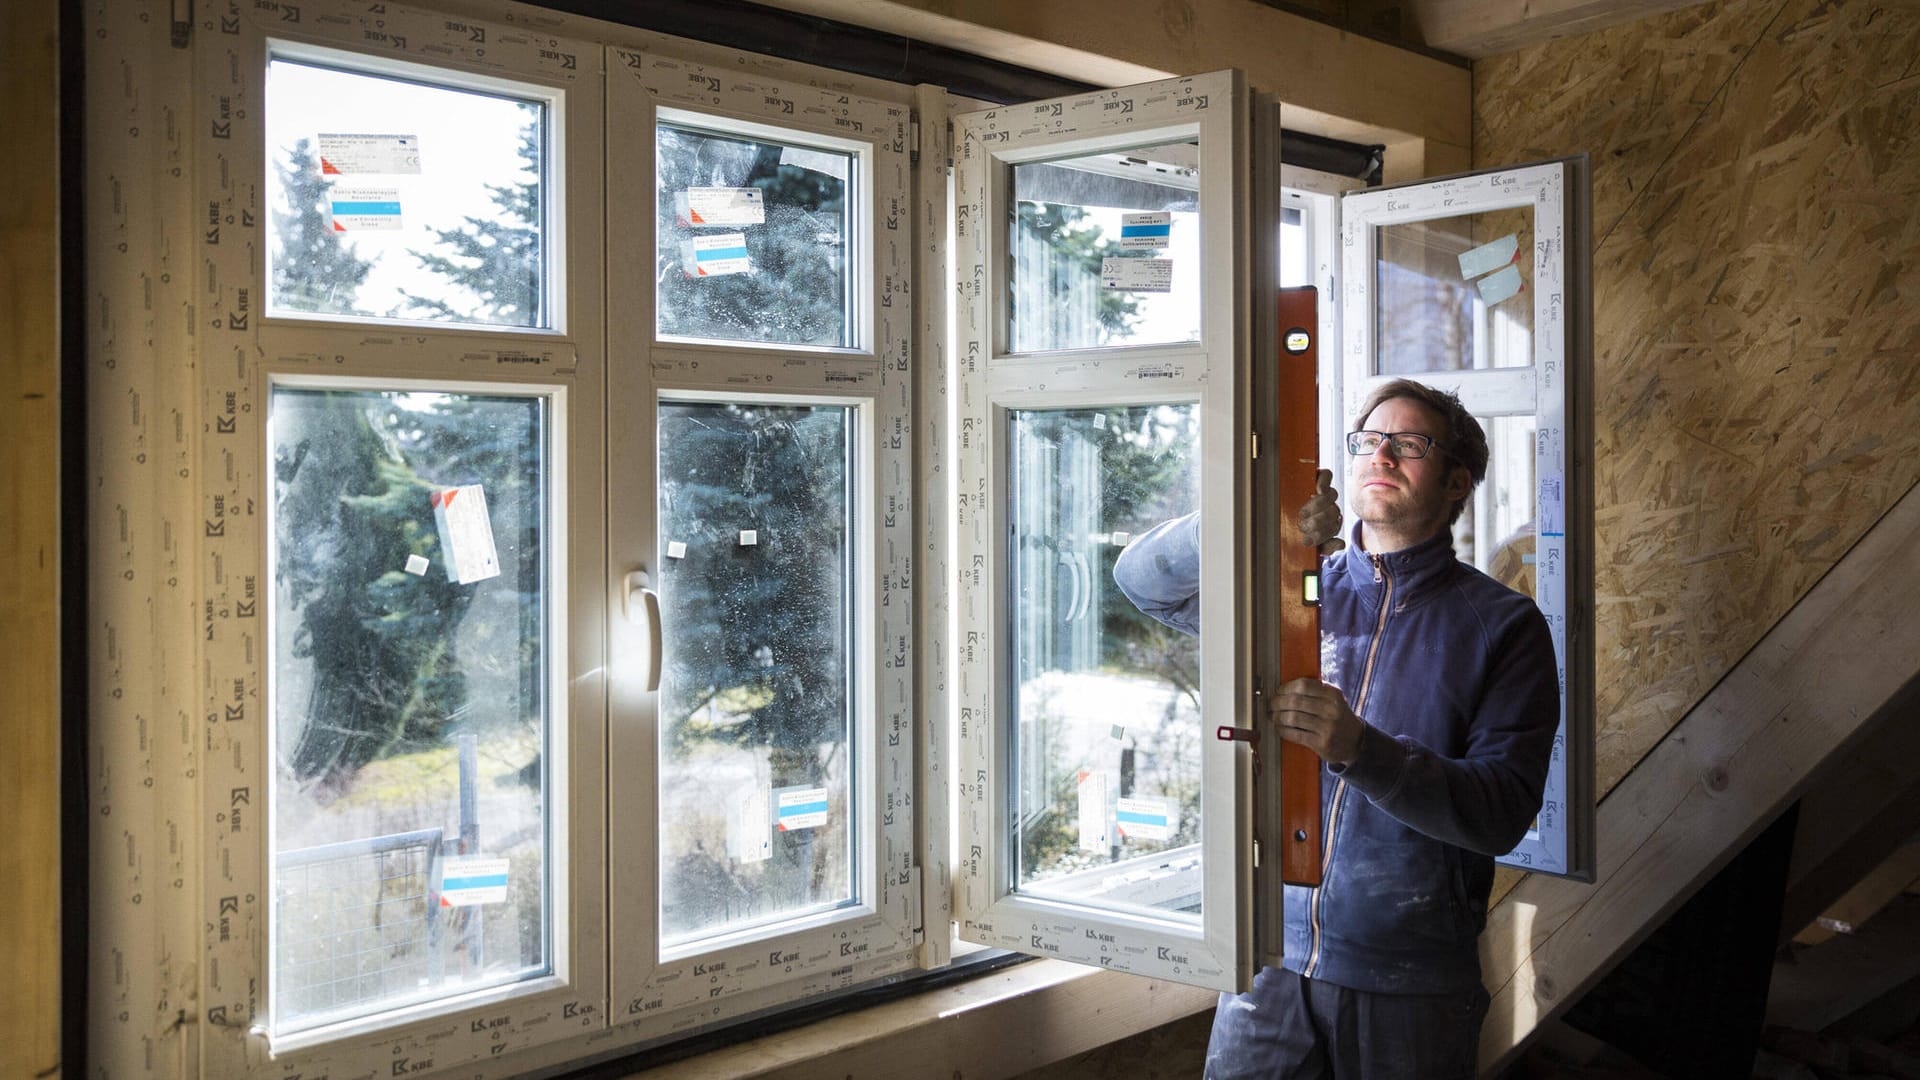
[1401, 444]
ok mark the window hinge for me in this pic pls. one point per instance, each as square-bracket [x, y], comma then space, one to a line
[1256, 854]
[913, 142]
[949, 144]
[1253, 444]
[182, 23]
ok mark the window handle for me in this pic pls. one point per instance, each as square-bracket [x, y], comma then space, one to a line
[641, 604]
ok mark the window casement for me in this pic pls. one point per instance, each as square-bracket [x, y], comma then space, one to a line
[403, 476]
[760, 659]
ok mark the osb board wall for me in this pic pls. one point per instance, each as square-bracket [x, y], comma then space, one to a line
[1756, 262]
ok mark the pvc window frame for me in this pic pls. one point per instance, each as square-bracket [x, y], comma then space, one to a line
[242, 359]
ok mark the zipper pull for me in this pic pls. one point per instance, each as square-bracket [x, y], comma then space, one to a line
[1377, 576]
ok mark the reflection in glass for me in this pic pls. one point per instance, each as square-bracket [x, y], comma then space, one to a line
[396, 199]
[771, 266]
[409, 712]
[1073, 217]
[756, 713]
[1496, 531]
[1454, 293]
[1107, 701]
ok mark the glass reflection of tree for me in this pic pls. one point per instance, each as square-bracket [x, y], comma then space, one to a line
[758, 659]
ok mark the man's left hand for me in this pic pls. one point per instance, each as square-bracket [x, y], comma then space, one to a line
[1317, 716]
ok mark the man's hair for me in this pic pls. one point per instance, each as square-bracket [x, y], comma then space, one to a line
[1462, 440]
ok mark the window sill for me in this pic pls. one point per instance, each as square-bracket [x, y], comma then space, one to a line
[1001, 1024]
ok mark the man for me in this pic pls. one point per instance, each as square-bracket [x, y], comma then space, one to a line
[1435, 719]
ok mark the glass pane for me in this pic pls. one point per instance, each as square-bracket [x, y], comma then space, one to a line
[401, 200]
[753, 239]
[1107, 700]
[410, 713]
[756, 714]
[1293, 248]
[1454, 293]
[1496, 530]
[1104, 250]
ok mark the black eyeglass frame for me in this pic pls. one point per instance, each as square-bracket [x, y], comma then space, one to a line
[1391, 439]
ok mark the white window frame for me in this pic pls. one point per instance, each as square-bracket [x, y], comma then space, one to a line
[658, 992]
[991, 383]
[243, 354]
[1555, 389]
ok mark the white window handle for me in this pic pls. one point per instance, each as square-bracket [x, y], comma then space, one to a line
[641, 604]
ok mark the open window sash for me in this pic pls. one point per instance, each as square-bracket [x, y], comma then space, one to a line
[1102, 293]
[1479, 284]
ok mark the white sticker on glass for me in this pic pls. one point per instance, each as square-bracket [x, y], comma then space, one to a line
[364, 209]
[1487, 258]
[800, 807]
[416, 565]
[1501, 286]
[706, 207]
[466, 880]
[466, 534]
[1147, 819]
[1148, 231]
[834, 165]
[715, 256]
[347, 154]
[1093, 812]
[749, 836]
[749, 537]
[1136, 275]
[676, 549]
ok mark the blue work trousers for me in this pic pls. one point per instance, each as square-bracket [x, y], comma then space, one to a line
[1293, 1028]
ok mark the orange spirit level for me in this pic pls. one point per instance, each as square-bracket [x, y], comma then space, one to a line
[1299, 646]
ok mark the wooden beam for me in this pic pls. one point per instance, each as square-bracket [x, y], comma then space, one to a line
[1481, 28]
[30, 540]
[1734, 762]
[1332, 82]
[1866, 898]
[1828, 982]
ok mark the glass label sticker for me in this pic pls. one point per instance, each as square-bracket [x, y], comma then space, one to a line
[1093, 812]
[344, 154]
[364, 209]
[1146, 819]
[416, 565]
[714, 256]
[1489, 257]
[1136, 275]
[801, 807]
[749, 839]
[466, 880]
[711, 206]
[1501, 286]
[1146, 231]
[834, 165]
[466, 534]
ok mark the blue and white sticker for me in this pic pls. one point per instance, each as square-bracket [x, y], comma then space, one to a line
[800, 808]
[1147, 819]
[468, 880]
[1148, 231]
[715, 256]
[365, 209]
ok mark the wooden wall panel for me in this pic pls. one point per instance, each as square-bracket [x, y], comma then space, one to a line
[30, 543]
[1757, 315]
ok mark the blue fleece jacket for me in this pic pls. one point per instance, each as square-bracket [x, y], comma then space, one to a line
[1455, 677]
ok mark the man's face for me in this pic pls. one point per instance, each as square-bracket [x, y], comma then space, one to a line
[1403, 501]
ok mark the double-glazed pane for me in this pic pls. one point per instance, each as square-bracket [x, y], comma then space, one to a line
[756, 706]
[753, 239]
[1105, 701]
[1454, 294]
[394, 199]
[1496, 531]
[1104, 250]
[410, 715]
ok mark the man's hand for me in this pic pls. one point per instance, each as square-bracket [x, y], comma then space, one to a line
[1316, 716]
[1320, 517]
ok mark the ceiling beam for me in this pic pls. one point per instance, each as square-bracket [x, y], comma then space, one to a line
[1482, 28]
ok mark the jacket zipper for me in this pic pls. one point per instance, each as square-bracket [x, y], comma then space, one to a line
[1340, 786]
